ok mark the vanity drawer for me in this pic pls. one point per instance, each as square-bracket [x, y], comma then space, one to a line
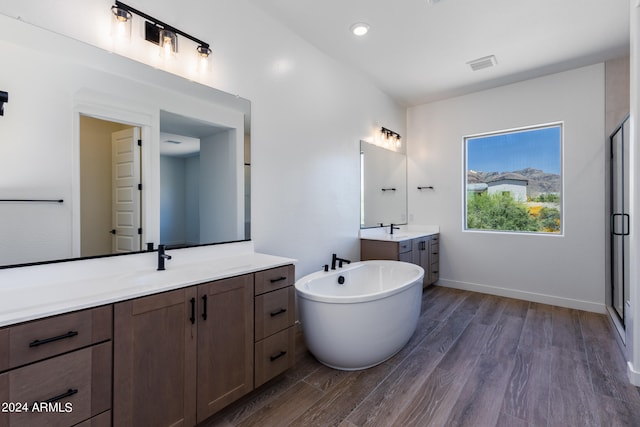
[404, 246]
[275, 278]
[77, 385]
[274, 311]
[434, 274]
[41, 339]
[274, 355]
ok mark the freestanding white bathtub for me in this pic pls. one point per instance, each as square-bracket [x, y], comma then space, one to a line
[365, 320]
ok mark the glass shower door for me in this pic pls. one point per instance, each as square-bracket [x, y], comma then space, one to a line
[619, 219]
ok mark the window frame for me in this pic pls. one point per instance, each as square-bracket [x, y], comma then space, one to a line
[465, 162]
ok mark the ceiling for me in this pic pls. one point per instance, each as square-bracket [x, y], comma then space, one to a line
[417, 51]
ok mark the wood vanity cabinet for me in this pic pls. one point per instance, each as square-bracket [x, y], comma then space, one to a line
[379, 249]
[434, 259]
[274, 323]
[61, 364]
[182, 355]
[225, 343]
[154, 371]
[423, 251]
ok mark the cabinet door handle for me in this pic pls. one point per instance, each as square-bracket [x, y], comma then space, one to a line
[193, 311]
[204, 308]
[279, 279]
[278, 356]
[52, 339]
[67, 393]
[280, 311]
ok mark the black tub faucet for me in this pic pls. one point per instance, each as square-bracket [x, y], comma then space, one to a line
[161, 257]
[334, 259]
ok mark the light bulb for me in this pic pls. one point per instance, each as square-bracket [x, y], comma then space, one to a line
[121, 23]
[168, 43]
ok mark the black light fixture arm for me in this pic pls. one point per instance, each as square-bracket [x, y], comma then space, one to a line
[160, 23]
[389, 133]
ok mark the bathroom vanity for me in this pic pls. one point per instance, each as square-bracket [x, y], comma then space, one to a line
[417, 247]
[109, 340]
[171, 347]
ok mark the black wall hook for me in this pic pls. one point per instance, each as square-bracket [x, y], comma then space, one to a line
[4, 97]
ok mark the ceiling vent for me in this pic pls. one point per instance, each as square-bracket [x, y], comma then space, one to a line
[484, 62]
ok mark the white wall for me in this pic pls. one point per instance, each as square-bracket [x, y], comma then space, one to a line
[308, 115]
[220, 221]
[565, 270]
[173, 206]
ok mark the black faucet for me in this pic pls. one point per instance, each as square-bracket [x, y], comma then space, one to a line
[161, 257]
[391, 228]
[335, 259]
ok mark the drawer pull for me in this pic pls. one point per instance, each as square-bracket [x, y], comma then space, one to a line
[193, 311]
[204, 308]
[67, 393]
[275, 313]
[279, 279]
[69, 334]
[278, 356]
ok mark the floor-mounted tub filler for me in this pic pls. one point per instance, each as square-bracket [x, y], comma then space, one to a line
[360, 315]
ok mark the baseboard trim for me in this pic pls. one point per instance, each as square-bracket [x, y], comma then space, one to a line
[634, 376]
[524, 295]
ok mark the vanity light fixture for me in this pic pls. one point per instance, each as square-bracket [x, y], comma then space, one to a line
[121, 24]
[203, 54]
[168, 41]
[158, 32]
[360, 29]
[390, 137]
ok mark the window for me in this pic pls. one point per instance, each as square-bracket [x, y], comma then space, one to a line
[513, 180]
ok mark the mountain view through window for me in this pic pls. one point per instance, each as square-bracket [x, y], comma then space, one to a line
[513, 180]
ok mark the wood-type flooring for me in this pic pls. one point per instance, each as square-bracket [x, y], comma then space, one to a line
[474, 360]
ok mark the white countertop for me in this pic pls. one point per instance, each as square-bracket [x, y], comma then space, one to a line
[28, 293]
[404, 233]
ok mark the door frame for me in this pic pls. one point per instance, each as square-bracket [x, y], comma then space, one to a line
[104, 107]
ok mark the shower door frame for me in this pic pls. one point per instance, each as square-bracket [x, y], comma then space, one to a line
[619, 220]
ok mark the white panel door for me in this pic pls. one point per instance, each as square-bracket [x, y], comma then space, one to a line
[125, 160]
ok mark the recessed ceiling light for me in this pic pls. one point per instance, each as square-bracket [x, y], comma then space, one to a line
[360, 29]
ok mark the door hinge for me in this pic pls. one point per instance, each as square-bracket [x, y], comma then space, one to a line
[140, 187]
[139, 143]
[140, 230]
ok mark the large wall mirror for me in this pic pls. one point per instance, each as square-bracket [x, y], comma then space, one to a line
[102, 155]
[383, 189]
